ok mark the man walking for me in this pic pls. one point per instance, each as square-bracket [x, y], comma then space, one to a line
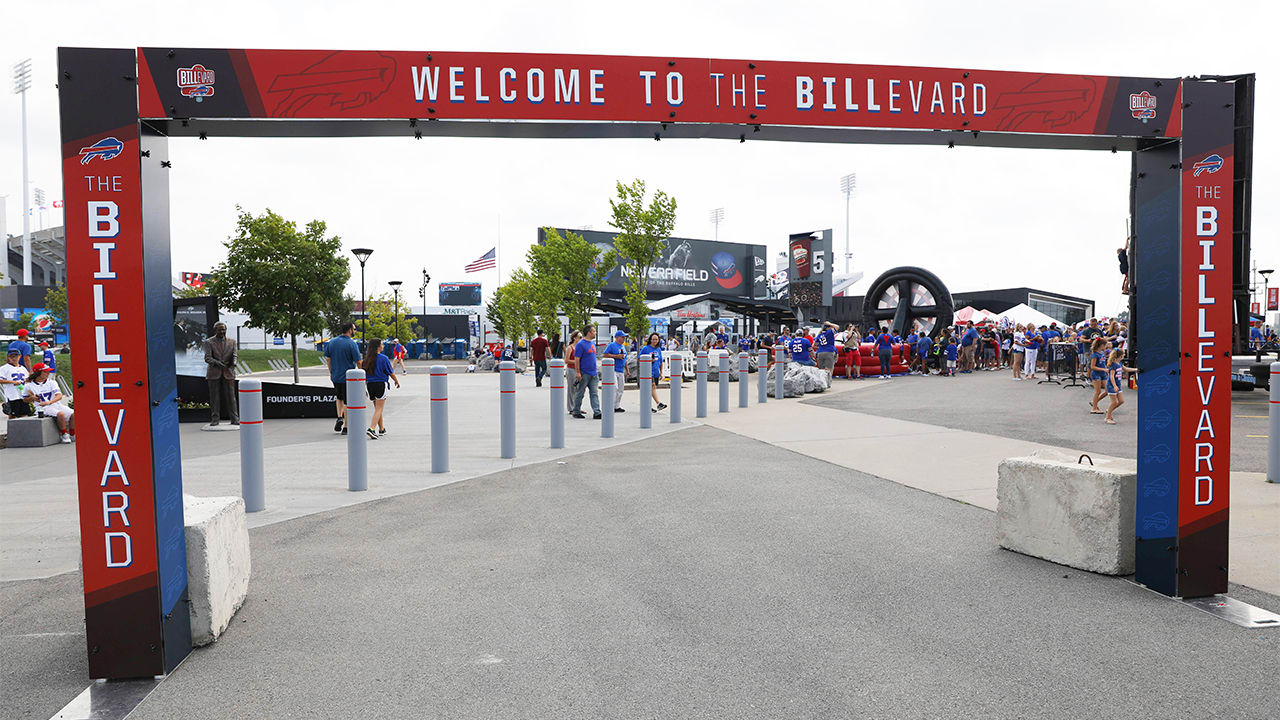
[220, 357]
[825, 348]
[340, 355]
[617, 351]
[588, 381]
[538, 350]
[968, 346]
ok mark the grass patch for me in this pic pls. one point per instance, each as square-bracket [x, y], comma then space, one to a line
[257, 359]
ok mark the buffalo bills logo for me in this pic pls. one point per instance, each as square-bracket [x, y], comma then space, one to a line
[1158, 420]
[339, 82]
[1157, 454]
[1049, 101]
[726, 270]
[195, 82]
[1155, 521]
[105, 149]
[1211, 164]
[1158, 487]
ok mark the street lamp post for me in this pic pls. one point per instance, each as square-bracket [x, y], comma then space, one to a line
[847, 184]
[716, 216]
[1266, 277]
[395, 289]
[362, 254]
[422, 292]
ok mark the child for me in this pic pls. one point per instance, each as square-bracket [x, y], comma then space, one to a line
[952, 352]
[42, 391]
[1115, 382]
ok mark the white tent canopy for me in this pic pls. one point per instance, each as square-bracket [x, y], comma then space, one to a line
[1023, 313]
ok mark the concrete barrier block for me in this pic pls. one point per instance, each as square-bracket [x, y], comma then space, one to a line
[1073, 514]
[217, 563]
[32, 432]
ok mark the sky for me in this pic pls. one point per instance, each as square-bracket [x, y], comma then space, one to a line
[981, 218]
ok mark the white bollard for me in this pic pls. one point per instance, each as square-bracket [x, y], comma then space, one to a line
[439, 419]
[507, 407]
[357, 424]
[1273, 435]
[252, 485]
[744, 388]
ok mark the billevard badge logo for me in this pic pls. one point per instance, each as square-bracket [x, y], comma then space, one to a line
[195, 82]
[1143, 105]
[105, 149]
[1211, 164]
[726, 270]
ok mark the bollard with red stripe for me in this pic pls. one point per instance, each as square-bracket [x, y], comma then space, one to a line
[700, 372]
[252, 482]
[507, 406]
[439, 419]
[607, 379]
[556, 366]
[357, 440]
[1273, 422]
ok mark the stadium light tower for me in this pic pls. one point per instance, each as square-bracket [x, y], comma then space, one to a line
[847, 184]
[22, 83]
[716, 216]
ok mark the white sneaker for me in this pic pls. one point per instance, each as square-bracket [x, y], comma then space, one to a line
[66, 439]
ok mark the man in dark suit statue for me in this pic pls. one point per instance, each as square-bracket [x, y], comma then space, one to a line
[220, 356]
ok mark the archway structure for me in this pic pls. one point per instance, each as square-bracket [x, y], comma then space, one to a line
[120, 106]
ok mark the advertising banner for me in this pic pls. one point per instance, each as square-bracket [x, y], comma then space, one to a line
[460, 293]
[230, 83]
[809, 269]
[688, 266]
[195, 279]
[1273, 298]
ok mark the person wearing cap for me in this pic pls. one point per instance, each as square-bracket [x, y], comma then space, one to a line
[397, 355]
[220, 357]
[23, 347]
[13, 375]
[47, 358]
[42, 391]
[617, 351]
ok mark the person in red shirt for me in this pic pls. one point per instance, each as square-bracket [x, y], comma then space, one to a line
[538, 349]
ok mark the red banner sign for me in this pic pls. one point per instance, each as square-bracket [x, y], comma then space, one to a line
[1273, 298]
[517, 86]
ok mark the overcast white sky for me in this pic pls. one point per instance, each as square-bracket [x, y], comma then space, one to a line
[980, 218]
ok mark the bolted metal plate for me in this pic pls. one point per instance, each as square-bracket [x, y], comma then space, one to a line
[1234, 611]
[107, 700]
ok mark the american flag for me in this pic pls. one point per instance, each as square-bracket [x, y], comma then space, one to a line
[487, 261]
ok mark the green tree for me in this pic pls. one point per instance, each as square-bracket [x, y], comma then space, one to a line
[383, 318]
[283, 278]
[493, 311]
[187, 291]
[55, 303]
[642, 230]
[339, 312]
[572, 272]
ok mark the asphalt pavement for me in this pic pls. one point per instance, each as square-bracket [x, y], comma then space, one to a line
[694, 574]
[995, 404]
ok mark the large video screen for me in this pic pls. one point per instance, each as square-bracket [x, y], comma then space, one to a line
[687, 265]
[460, 293]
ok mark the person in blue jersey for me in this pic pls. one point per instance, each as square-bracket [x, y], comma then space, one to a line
[653, 346]
[1097, 372]
[784, 341]
[341, 354]
[744, 343]
[884, 346]
[953, 351]
[23, 348]
[923, 345]
[824, 348]
[1032, 350]
[617, 352]
[801, 347]
[378, 371]
[1117, 373]
[968, 348]
[588, 376]
[46, 356]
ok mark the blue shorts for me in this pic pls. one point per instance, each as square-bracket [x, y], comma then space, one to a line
[1112, 388]
[1095, 375]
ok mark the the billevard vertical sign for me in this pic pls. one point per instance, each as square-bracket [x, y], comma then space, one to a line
[1204, 426]
[125, 623]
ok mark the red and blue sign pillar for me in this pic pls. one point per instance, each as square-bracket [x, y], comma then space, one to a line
[1183, 204]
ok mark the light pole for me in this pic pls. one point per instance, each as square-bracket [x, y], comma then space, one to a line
[422, 292]
[22, 83]
[716, 216]
[1266, 277]
[362, 254]
[395, 289]
[847, 184]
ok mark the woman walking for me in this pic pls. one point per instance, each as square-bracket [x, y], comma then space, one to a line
[1097, 373]
[377, 371]
[885, 345]
[653, 346]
